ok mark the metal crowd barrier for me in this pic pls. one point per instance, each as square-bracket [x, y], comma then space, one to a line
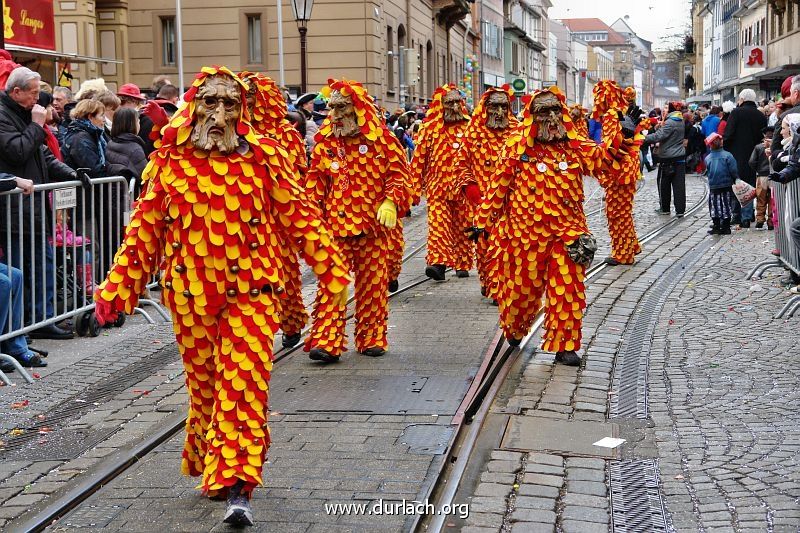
[62, 239]
[787, 209]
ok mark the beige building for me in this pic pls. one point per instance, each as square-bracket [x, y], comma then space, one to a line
[783, 44]
[401, 50]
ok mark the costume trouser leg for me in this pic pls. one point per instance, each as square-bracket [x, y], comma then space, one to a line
[545, 268]
[464, 252]
[395, 246]
[447, 243]
[619, 212]
[293, 310]
[366, 257]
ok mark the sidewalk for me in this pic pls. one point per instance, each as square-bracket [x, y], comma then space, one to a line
[685, 363]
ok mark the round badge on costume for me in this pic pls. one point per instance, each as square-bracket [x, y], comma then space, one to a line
[362, 149]
[334, 166]
[456, 145]
[541, 167]
[563, 166]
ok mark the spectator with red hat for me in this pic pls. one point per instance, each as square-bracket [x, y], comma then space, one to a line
[131, 96]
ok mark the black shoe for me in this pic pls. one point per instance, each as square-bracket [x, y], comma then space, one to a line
[735, 221]
[679, 215]
[725, 228]
[7, 367]
[569, 358]
[51, 332]
[494, 302]
[513, 342]
[290, 340]
[483, 290]
[238, 512]
[744, 225]
[375, 351]
[435, 272]
[30, 360]
[394, 285]
[318, 354]
[759, 225]
[462, 273]
[661, 211]
[770, 227]
[610, 261]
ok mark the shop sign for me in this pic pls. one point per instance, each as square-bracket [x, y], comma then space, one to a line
[29, 23]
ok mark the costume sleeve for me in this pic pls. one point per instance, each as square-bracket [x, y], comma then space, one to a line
[498, 189]
[301, 220]
[602, 159]
[419, 165]
[463, 166]
[139, 255]
[316, 177]
[398, 179]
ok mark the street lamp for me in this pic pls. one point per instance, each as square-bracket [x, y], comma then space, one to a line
[302, 13]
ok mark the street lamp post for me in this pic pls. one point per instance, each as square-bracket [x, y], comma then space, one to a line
[302, 14]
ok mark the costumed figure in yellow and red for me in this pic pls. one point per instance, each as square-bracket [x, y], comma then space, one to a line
[358, 175]
[268, 111]
[578, 115]
[534, 209]
[216, 196]
[477, 161]
[433, 172]
[620, 177]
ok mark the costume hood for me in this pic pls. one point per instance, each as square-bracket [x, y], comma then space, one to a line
[179, 128]
[436, 110]
[528, 130]
[479, 114]
[270, 105]
[608, 96]
[369, 121]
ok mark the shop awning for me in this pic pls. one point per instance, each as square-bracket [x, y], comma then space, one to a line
[781, 72]
[73, 58]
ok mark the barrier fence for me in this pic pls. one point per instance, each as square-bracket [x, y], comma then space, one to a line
[57, 244]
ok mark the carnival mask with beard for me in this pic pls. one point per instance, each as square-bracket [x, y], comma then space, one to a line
[497, 111]
[546, 111]
[218, 104]
[451, 104]
[342, 116]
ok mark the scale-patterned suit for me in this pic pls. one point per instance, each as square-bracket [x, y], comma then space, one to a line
[349, 178]
[536, 198]
[433, 172]
[477, 162]
[620, 176]
[269, 119]
[214, 220]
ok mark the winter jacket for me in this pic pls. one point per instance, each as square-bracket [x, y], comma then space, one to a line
[777, 138]
[759, 162]
[742, 134]
[670, 138]
[710, 125]
[23, 153]
[722, 169]
[127, 150]
[7, 182]
[792, 170]
[82, 148]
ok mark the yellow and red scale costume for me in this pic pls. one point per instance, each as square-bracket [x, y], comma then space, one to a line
[433, 172]
[578, 114]
[619, 177]
[269, 119]
[477, 163]
[349, 178]
[214, 220]
[536, 198]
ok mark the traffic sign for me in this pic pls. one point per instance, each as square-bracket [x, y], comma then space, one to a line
[519, 85]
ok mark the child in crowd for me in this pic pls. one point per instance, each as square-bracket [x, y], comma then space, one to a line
[759, 162]
[722, 174]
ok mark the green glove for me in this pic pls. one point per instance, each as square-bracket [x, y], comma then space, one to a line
[387, 214]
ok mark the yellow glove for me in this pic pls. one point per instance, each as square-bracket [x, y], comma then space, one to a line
[340, 298]
[387, 214]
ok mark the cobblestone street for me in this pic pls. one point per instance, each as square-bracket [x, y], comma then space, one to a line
[683, 361]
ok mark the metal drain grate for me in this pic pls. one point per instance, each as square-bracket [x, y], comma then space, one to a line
[636, 504]
[630, 368]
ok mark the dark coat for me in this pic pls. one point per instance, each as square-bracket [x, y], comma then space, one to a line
[127, 150]
[23, 153]
[82, 149]
[146, 125]
[777, 138]
[742, 134]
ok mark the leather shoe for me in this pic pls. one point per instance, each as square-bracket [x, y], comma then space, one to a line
[462, 273]
[375, 351]
[435, 272]
[569, 358]
[6, 367]
[319, 354]
[290, 340]
[51, 332]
